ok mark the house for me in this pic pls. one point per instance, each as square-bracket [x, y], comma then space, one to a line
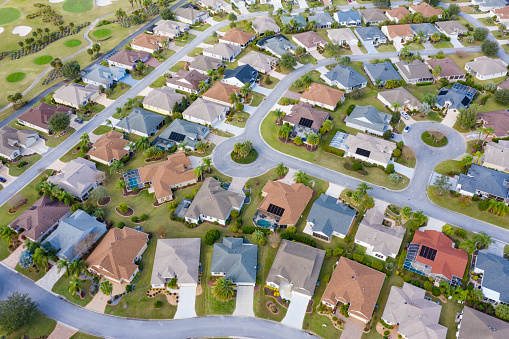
[40, 218]
[190, 15]
[342, 36]
[220, 93]
[369, 149]
[221, 51]
[181, 131]
[451, 28]
[216, 6]
[489, 5]
[116, 255]
[354, 284]
[293, 20]
[369, 119]
[187, 81]
[264, 24]
[432, 254]
[414, 72]
[329, 217]
[213, 203]
[285, 203]
[384, 72]
[109, 147]
[176, 258]
[305, 119]
[75, 95]
[75, 235]
[496, 155]
[426, 30]
[502, 14]
[128, 59]
[345, 78]
[401, 96]
[170, 29]
[450, 70]
[348, 18]
[398, 33]
[203, 64]
[237, 37]
[38, 117]
[494, 271]
[235, 259]
[323, 96]
[397, 13]
[426, 10]
[141, 122]
[322, 20]
[504, 84]
[103, 76]
[165, 176]
[370, 35]
[455, 98]
[240, 76]
[484, 182]
[148, 43]
[309, 40]
[262, 63]
[380, 241]
[373, 16]
[484, 68]
[162, 100]
[78, 177]
[498, 120]
[415, 314]
[295, 269]
[205, 112]
[277, 45]
[477, 324]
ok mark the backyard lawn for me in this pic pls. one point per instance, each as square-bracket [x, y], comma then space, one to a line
[39, 327]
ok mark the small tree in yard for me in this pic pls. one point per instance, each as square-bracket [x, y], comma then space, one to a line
[258, 235]
[106, 287]
[468, 116]
[223, 289]
[99, 193]
[489, 48]
[16, 311]
[387, 134]
[211, 236]
[25, 259]
[502, 96]
[122, 207]
[288, 60]
[442, 184]
[59, 122]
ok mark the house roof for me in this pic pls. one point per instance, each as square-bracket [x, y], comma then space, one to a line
[292, 198]
[264, 24]
[356, 284]
[163, 175]
[141, 120]
[384, 71]
[163, 98]
[297, 265]
[104, 74]
[487, 66]
[400, 95]
[449, 68]
[498, 120]
[426, 9]
[75, 93]
[491, 3]
[259, 61]
[329, 215]
[448, 261]
[373, 15]
[341, 34]
[191, 131]
[204, 110]
[497, 153]
[188, 79]
[414, 70]
[476, 324]
[204, 63]
[505, 84]
[188, 13]
[77, 177]
[369, 117]
[417, 317]
[236, 35]
[451, 27]
[299, 20]
[427, 28]
[110, 146]
[244, 74]
[40, 115]
[9, 138]
[321, 19]
[127, 57]
[214, 201]
[176, 258]
[303, 110]
[348, 16]
[502, 13]
[224, 50]
[369, 33]
[237, 258]
[148, 41]
[395, 31]
[323, 94]
[114, 256]
[216, 4]
[309, 39]
[221, 91]
[278, 44]
[485, 180]
[378, 149]
[346, 76]
[458, 95]
[398, 12]
[169, 26]
[40, 217]
[496, 273]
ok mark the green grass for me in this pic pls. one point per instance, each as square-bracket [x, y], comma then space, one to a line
[77, 6]
[160, 82]
[485, 23]
[43, 60]
[39, 326]
[101, 130]
[306, 59]
[15, 77]
[415, 47]
[236, 122]
[81, 335]
[273, 82]
[31, 273]
[195, 52]
[434, 142]
[119, 90]
[447, 166]
[16, 172]
[62, 287]
[51, 140]
[201, 28]
[386, 48]
[257, 99]
[8, 15]
[72, 43]
[443, 44]
[101, 33]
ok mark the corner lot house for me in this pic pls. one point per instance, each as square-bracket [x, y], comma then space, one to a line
[476, 324]
[190, 15]
[74, 95]
[75, 235]
[103, 76]
[181, 131]
[141, 122]
[398, 33]
[220, 93]
[235, 259]
[115, 256]
[450, 70]
[484, 68]
[323, 96]
[370, 35]
[262, 63]
[342, 36]
[109, 147]
[355, 284]
[305, 119]
[396, 14]
[162, 100]
[368, 118]
[38, 117]
[451, 28]
[455, 98]
[128, 59]
[348, 18]
[148, 43]
[345, 78]
[170, 29]
[277, 45]
[78, 177]
[205, 112]
[265, 24]
[221, 51]
[373, 16]
[488, 5]
[426, 10]
[414, 72]
[240, 76]
[495, 272]
[485, 183]
[40, 218]
[322, 20]
[329, 217]
[369, 149]
[384, 72]
[496, 155]
[213, 203]
[498, 120]
[237, 37]
[187, 81]
[502, 14]
[12, 141]
[309, 40]
[399, 95]
[203, 64]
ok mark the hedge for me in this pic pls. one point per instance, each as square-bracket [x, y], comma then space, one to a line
[424, 83]
[299, 238]
[333, 150]
[358, 257]
[211, 236]
[402, 257]
[377, 265]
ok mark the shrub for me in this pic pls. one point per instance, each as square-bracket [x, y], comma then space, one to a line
[299, 238]
[326, 279]
[396, 153]
[328, 253]
[263, 241]
[334, 150]
[128, 288]
[248, 229]
[143, 217]
[120, 224]
[158, 304]
[234, 229]
[358, 257]
[122, 207]
[389, 169]
[346, 239]
[377, 265]
[483, 204]
[211, 236]
[234, 214]
[134, 218]
[291, 229]
[337, 252]
[357, 166]
[402, 257]
[349, 194]
[428, 286]
[350, 109]
[417, 283]
[435, 291]
[475, 198]
[387, 332]
[406, 278]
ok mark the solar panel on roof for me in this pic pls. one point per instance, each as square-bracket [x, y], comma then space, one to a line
[176, 136]
[305, 122]
[363, 152]
[465, 101]
[428, 252]
[276, 210]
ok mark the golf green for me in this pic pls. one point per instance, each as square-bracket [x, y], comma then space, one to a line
[8, 15]
[76, 6]
[43, 60]
[15, 77]
[101, 33]
[72, 43]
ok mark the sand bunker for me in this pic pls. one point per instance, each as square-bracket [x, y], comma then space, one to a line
[102, 3]
[1, 30]
[55, 1]
[21, 30]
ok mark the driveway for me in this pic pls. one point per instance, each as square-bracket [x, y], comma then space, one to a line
[237, 185]
[455, 42]
[13, 259]
[222, 125]
[62, 331]
[4, 173]
[276, 75]
[103, 100]
[428, 45]
[244, 307]
[292, 95]
[152, 62]
[406, 171]
[334, 190]
[128, 79]
[353, 328]
[262, 90]
[450, 119]
[371, 49]
[355, 50]
[303, 4]
[50, 278]
[315, 54]
[38, 147]
[187, 300]
[399, 46]
[296, 311]
[249, 109]
[215, 139]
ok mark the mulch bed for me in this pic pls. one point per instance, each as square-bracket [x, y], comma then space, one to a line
[270, 293]
[129, 212]
[211, 282]
[269, 305]
[156, 204]
[132, 193]
[153, 159]
[152, 293]
[15, 210]
[105, 201]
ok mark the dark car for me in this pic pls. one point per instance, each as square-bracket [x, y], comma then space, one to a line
[2, 179]
[78, 120]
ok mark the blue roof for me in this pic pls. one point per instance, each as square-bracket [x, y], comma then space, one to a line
[383, 71]
[245, 74]
[346, 76]
[329, 215]
[238, 258]
[427, 28]
[321, 19]
[141, 120]
[348, 16]
[299, 20]
[370, 33]
[485, 180]
[496, 273]
[459, 96]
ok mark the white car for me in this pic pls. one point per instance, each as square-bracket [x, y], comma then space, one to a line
[406, 129]
[405, 115]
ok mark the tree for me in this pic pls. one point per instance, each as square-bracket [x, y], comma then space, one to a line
[232, 17]
[437, 71]
[62, 263]
[465, 161]
[313, 139]
[74, 286]
[468, 116]
[7, 234]
[300, 177]
[142, 143]
[223, 289]
[78, 265]
[59, 122]
[284, 131]
[502, 96]
[406, 212]
[71, 70]
[394, 178]
[357, 197]
[489, 48]
[328, 125]
[106, 287]
[25, 259]
[116, 166]
[16, 311]
[424, 108]
[84, 140]
[448, 230]
[502, 27]
[99, 193]
[207, 163]
[419, 218]
[481, 33]
[211, 236]
[258, 235]
[281, 170]
[475, 296]
[363, 188]
[167, 14]
[198, 171]
[483, 240]
[442, 184]
[387, 134]
[368, 202]
[201, 146]
[288, 60]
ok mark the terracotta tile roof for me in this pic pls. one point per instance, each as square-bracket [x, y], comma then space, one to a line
[293, 198]
[221, 91]
[394, 31]
[398, 12]
[114, 256]
[502, 13]
[356, 284]
[310, 39]
[449, 68]
[426, 10]
[323, 94]
[188, 79]
[448, 261]
[148, 41]
[238, 36]
[306, 111]
[40, 115]
[498, 120]
[109, 146]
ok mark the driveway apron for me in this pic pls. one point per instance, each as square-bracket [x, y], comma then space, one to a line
[296, 311]
[187, 300]
[244, 307]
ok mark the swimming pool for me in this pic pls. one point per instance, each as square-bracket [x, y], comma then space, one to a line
[263, 223]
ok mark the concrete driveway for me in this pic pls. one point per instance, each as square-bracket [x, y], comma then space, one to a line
[187, 300]
[262, 90]
[128, 79]
[244, 307]
[50, 278]
[353, 328]
[406, 171]
[334, 190]
[38, 147]
[296, 311]
[222, 125]
[215, 139]
[455, 42]
[371, 49]
[250, 109]
[355, 50]
[4, 173]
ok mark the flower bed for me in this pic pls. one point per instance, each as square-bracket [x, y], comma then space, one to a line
[129, 212]
[272, 307]
[105, 201]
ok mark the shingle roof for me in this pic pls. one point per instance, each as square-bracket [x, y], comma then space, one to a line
[299, 20]
[502, 13]
[458, 95]
[278, 44]
[259, 61]
[323, 94]
[347, 16]
[75, 93]
[306, 111]
[449, 68]
[379, 149]
[384, 71]
[244, 74]
[104, 74]
[369, 33]
[204, 110]
[40, 115]
[110, 146]
[400, 95]
[310, 39]
[127, 57]
[414, 70]
[163, 98]
[476, 324]
[398, 12]
[141, 120]
[321, 19]
[264, 24]
[496, 273]
[451, 27]
[224, 50]
[329, 215]
[341, 34]
[77, 177]
[426, 9]
[373, 15]
[485, 180]
[188, 79]
[237, 35]
[148, 41]
[427, 28]
[188, 13]
[170, 27]
[369, 117]
[204, 63]
[346, 76]
[497, 153]
[487, 66]
[236, 257]
[192, 132]
[498, 120]
[221, 91]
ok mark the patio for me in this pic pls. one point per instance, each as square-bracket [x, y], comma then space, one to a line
[263, 220]
[132, 180]
[302, 132]
[182, 208]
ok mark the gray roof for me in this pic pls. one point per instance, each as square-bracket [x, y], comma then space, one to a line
[373, 14]
[496, 273]
[451, 27]
[492, 3]
[204, 63]
[71, 231]
[348, 16]
[487, 66]
[299, 19]
[476, 324]
[278, 44]
[75, 93]
[414, 70]
[193, 132]
[259, 61]
[224, 50]
[369, 33]
[163, 98]
[400, 95]
[141, 120]
[321, 19]
[265, 23]
[459, 96]
[329, 215]
[11, 137]
[237, 258]
[383, 71]
[244, 74]
[103, 74]
[346, 76]
[369, 117]
[485, 180]
[77, 177]
[188, 13]
[427, 28]
[204, 110]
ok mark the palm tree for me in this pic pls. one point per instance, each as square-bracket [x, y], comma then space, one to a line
[363, 188]
[448, 230]
[488, 132]
[44, 188]
[207, 163]
[214, 35]
[357, 197]
[469, 246]
[465, 161]
[258, 235]
[480, 131]
[478, 157]
[99, 213]
[142, 143]
[66, 197]
[106, 287]
[182, 146]
[203, 85]
[234, 99]
[74, 287]
[198, 171]
[406, 212]
[313, 139]
[483, 240]
[281, 170]
[300, 177]
[368, 202]
[120, 184]
[8, 234]
[116, 166]
[84, 139]
[396, 106]
[284, 132]
[40, 257]
[328, 125]
[77, 267]
[237, 147]
[223, 289]
[493, 205]
[245, 90]
[419, 218]
[62, 263]
[279, 114]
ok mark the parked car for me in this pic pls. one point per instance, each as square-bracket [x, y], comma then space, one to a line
[2, 179]
[405, 115]
[406, 129]
[78, 120]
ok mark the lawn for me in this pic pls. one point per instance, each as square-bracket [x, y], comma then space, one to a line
[414, 47]
[43, 60]
[16, 172]
[8, 15]
[15, 77]
[175, 68]
[242, 116]
[62, 287]
[119, 90]
[101, 130]
[201, 28]
[77, 6]
[160, 82]
[195, 52]
[273, 82]
[81, 335]
[306, 59]
[443, 44]
[448, 316]
[485, 23]
[31, 273]
[72, 43]
[101, 33]
[447, 166]
[257, 99]
[386, 48]
[52, 140]
[39, 327]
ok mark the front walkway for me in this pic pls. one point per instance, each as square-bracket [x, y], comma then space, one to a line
[103, 100]
[262, 90]
[50, 278]
[297, 310]
[244, 306]
[62, 331]
[215, 139]
[13, 259]
[334, 190]
[249, 109]
[222, 125]
[187, 300]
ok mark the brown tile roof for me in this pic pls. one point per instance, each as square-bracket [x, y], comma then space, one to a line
[498, 120]
[175, 170]
[127, 57]
[448, 261]
[306, 111]
[238, 36]
[449, 68]
[188, 79]
[109, 146]
[398, 12]
[40, 115]
[221, 91]
[356, 284]
[394, 31]
[293, 198]
[502, 13]
[426, 10]
[114, 256]
[323, 94]
[310, 39]
[505, 84]
[149, 41]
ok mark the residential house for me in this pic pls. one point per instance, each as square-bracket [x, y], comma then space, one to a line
[293, 20]
[345, 78]
[504, 84]
[240, 76]
[75, 95]
[213, 203]
[181, 131]
[369, 119]
[348, 18]
[342, 36]
[397, 13]
[432, 254]
[498, 120]
[205, 112]
[264, 24]
[489, 5]
[75, 235]
[78, 177]
[369, 149]
[484, 68]
[322, 20]
[494, 272]
[190, 15]
[224, 52]
[450, 70]
[476, 324]
[203, 64]
[414, 72]
[220, 93]
[373, 16]
[277, 45]
[370, 35]
[426, 30]
[496, 155]
[329, 217]
[502, 14]
[484, 182]
[187, 81]
[235, 259]
[40, 218]
[401, 96]
[415, 315]
[398, 33]
[455, 98]
[170, 29]
[116, 255]
[263, 63]
[128, 59]
[38, 117]
[309, 40]
[109, 147]
[305, 119]
[162, 100]
[426, 10]
[103, 76]
[216, 6]
[323, 96]
[141, 122]
[354, 284]
[237, 37]
[380, 241]
[176, 258]
[384, 72]
[451, 28]
[148, 43]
